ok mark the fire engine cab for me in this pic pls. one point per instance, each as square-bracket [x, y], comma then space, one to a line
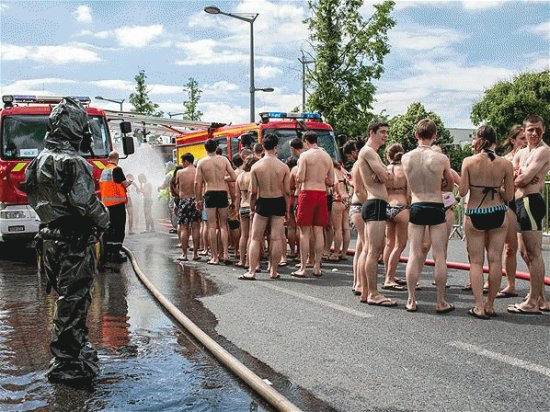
[23, 123]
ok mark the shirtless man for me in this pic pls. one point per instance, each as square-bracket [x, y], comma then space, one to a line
[188, 215]
[425, 169]
[269, 203]
[213, 173]
[531, 165]
[374, 176]
[315, 173]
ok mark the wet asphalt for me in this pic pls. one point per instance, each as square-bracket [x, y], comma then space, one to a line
[310, 337]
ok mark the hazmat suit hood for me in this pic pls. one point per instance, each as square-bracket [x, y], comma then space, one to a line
[67, 126]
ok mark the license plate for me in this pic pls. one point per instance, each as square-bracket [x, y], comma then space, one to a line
[16, 228]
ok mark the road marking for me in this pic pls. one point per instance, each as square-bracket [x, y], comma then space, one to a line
[533, 367]
[316, 300]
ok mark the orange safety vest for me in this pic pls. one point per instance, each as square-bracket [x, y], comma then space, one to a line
[111, 193]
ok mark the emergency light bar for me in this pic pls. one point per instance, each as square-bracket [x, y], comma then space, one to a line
[10, 99]
[265, 116]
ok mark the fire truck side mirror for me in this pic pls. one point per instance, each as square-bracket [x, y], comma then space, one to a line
[128, 145]
[125, 127]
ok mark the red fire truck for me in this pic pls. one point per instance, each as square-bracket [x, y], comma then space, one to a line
[285, 126]
[23, 121]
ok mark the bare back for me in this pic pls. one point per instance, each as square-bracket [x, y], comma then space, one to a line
[243, 184]
[315, 169]
[359, 190]
[397, 185]
[270, 177]
[425, 169]
[185, 179]
[211, 172]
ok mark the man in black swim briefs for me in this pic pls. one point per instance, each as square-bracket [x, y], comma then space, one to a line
[425, 169]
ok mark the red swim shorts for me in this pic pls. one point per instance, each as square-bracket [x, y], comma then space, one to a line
[312, 208]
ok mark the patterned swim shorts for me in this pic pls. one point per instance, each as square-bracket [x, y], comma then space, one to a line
[188, 213]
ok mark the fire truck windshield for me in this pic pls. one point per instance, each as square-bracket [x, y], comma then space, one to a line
[23, 136]
[325, 139]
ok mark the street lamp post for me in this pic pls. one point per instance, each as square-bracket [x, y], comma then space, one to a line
[174, 114]
[112, 100]
[252, 17]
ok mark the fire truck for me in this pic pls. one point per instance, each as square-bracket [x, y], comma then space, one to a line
[286, 126]
[23, 123]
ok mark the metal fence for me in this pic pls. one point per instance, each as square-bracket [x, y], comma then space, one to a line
[458, 227]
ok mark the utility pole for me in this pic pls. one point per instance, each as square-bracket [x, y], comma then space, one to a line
[304, 63]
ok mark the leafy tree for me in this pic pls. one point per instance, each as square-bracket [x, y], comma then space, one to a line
[194, 95]
[509, 102]
[349, 54]
[402, 129]
[140, 99]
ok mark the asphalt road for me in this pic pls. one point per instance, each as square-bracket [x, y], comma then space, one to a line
[357, 357]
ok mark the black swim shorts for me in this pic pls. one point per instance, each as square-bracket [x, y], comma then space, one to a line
[216, 198]
[268, 207]
[427, 213]
[530, 212]
[374, 210]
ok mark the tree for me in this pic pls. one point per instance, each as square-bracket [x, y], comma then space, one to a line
[194, 95]
[402, 128]
[140, 99]
[508, 102]
[349, 54]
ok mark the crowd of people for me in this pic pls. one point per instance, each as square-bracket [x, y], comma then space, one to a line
[304, 209]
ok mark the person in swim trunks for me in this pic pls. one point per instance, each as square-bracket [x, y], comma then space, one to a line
[397, 215]
[531, 165]
[486, 225]
[425, 170]
[189, 217]
[269, 203]
[374, 176]
[213, 173]
[315, 173]
[243, 206]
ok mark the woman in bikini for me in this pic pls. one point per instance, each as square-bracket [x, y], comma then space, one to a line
[514, 142]
[398, 216]
[242, 205]
[292, 232]
[490, 181]
[340, 214]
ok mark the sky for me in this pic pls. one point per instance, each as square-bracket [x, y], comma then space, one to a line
[443, 54]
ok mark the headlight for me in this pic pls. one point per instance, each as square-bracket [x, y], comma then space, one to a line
[13, 214]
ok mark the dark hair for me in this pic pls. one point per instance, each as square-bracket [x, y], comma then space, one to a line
[291, 162]
[219, 151]
[237, 160]
[513, 134]
[359, 144]
[349, 147]
[297, 143]
[395, 152]
[258, 148]
[310, 136]
[533, 118]
[375, 125]
[210, 145]
[487, 137]
[249, 163]
[270, 141]
[425, 129]
[247, 139]
[187, 157]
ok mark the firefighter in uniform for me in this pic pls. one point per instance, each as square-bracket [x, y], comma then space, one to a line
[112, 188]
[61, 189]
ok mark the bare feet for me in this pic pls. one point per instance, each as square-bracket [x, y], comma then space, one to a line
[411, 306]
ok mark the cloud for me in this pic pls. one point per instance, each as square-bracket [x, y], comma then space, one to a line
[83, 14]
[219, 89]
[267, 72]
[98, 35]
[542, 29]
[480, 4]
[137, 36]
[115, 84]
[59, 55]
[34, 86]
[416, 37]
